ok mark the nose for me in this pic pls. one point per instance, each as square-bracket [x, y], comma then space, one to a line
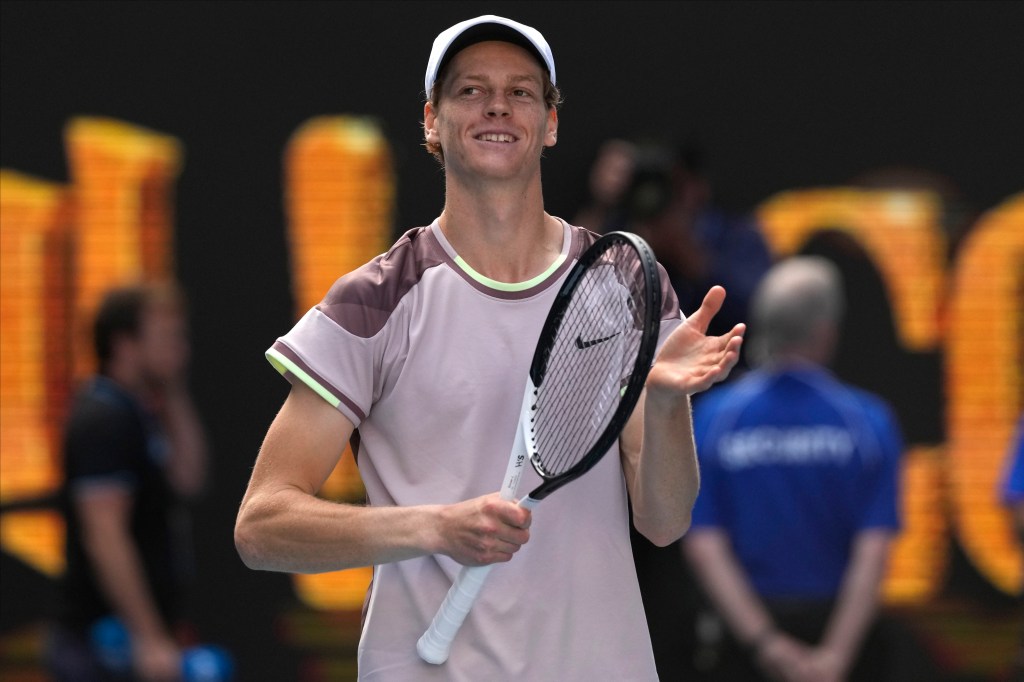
[498, 105]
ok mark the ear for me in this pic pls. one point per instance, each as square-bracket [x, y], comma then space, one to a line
[551, 136]
[826, 340]
[430, 124]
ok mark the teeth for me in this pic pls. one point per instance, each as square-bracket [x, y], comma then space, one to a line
[495, 137]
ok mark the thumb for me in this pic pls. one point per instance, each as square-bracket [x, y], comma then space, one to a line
[709, 307]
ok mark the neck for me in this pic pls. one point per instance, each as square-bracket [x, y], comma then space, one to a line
[501, 231]
[804, 357]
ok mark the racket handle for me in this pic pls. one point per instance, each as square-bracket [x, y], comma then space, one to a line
[436, 643]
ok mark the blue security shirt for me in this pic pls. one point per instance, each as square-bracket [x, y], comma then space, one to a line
[1013, 484]
[794, 463]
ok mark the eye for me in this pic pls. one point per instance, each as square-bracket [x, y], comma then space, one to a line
[520, 92]
[470, 90]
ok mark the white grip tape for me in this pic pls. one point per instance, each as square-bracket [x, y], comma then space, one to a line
[436, 643]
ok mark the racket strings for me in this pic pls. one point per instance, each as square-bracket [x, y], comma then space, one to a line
[585, 398]
[590, 361]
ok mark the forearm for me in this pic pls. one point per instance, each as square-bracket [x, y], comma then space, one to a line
[666, 478]
[283, 526]
[119, 570]
[290, 530]
[727, 586]
[858, 597]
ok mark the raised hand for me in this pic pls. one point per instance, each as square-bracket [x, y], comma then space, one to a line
[690, 361]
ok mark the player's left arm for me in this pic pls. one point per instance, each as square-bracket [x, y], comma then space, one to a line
[658, 453]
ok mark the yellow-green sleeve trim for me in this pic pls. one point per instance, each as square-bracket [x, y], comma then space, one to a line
[285, 366]
[510, 286]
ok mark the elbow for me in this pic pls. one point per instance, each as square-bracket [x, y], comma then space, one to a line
[664, 534]
[247, 543]
[663, 540]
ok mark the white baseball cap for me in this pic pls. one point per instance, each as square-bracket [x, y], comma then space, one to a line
[486, 27]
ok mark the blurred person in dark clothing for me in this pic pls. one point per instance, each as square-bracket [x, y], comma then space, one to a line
[670, 204]
[799, 495]
[133, 449]
[607, 182]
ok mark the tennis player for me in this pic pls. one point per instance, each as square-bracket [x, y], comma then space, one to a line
[420, 357]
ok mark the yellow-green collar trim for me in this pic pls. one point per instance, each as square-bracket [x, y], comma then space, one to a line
[510, 286]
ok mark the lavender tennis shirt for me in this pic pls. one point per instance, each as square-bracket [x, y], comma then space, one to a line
[428, 360]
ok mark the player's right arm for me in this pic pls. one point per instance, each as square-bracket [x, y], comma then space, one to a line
[283, 526]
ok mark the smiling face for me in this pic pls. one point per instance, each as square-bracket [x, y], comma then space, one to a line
[491, 118]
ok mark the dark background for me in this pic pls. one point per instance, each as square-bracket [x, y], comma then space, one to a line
[781, 95]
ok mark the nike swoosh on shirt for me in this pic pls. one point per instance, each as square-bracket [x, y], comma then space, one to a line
[581, 344]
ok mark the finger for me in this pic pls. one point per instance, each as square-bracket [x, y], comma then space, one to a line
[513, 543]
[716, 373]
[502, 548]
[513, 537]
[721, 346]
[733, 336]
[710, 306]
[516, 516]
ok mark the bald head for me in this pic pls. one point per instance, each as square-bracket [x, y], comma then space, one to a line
[796, 310]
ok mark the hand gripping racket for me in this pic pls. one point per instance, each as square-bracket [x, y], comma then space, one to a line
[588, 371]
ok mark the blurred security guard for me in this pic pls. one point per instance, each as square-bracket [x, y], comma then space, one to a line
[798, 501]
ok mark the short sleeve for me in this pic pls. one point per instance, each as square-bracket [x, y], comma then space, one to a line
[339, 348]
[100, 446]
[706, 509]
[334, 363]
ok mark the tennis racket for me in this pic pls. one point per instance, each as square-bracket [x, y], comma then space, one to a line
[588, 371]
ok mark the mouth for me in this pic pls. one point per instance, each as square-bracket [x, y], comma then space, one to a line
[504, 138]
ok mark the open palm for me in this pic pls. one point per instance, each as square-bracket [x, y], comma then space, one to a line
[690, 361]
